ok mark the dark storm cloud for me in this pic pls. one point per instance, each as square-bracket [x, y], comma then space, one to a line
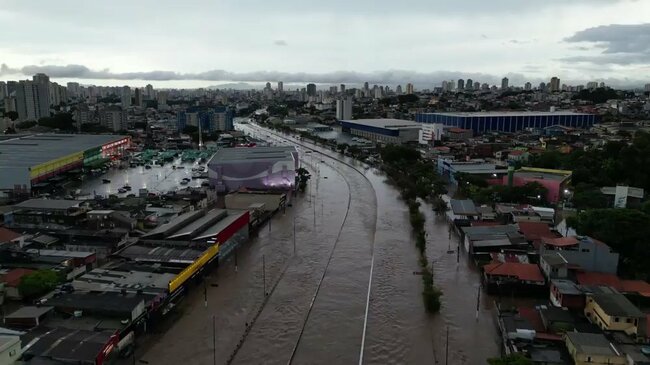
[622, 44]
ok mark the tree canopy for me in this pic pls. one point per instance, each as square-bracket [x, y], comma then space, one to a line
[38, 283]
[624, 230]
[615, 163]
[514, 359]
[62, 121]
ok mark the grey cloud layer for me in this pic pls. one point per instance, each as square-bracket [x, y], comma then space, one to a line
[379, 77]
[623, 44]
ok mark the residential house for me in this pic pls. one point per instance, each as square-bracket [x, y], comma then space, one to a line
[510, 276]
[535, 231]
[566, 294]
[11, 279]
[554, 266]
[592, 349]
[584, 252]
[612, 311]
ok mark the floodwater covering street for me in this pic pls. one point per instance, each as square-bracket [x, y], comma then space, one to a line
[347, 295]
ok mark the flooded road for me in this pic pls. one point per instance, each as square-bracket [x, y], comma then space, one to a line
[347, 295]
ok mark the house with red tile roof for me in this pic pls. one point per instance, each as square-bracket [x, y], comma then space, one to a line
[7, 235]
[534, 232]
[507, 276]
[11, 279]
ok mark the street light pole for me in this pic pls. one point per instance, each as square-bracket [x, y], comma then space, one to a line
[264, 274]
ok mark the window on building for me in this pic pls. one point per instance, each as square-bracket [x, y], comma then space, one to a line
[629, 320]
[616, 319]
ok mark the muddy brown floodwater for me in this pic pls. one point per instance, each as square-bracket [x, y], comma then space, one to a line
[347, 295]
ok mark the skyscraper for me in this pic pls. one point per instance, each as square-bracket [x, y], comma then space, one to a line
[26, 101]
[42, 93]
[149, 92]
[555, 84]
[161, 97]
[267, 86]
[409, 88]
[125, 97]
[528, 86]
[469, 85]
[444, 85]
[3, 90]
[398, 90]
[280, 87]
[73, 89]
[138, 97]
[311, 89]
[461, 84]
[342, 87]
[542, 86]
[504, 83]
[333, 90]
[344, 108]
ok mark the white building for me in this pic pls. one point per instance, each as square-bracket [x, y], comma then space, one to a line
[344, 108]
[409, 88]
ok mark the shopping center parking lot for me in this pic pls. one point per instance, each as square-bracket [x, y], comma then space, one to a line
[157, 179]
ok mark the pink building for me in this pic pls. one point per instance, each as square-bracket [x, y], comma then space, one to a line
[555, 181]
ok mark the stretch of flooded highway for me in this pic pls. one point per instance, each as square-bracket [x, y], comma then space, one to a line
[331, 281]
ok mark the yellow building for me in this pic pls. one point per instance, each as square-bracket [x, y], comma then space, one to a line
[612, 311]
[592, 349]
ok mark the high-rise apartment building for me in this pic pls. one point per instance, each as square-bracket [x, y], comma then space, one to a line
[398, 90]
[3, 90]
[137, 97]
[150, 92]
[280, 87]
[125, 97]
[113, 117]
[344, 108]
[504, 83]
[469, 85]
[161, 97]
[555, 84]
[27, 101]
[528, 86]
[311, 89]
[333, 90]
[342, 88]
[461, 84]
[409, 88]
[73, 89]
[647, 87]
[42, 89]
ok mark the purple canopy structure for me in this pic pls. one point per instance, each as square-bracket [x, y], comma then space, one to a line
[254, 168]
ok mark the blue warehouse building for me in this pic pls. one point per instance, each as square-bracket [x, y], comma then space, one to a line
[484, 122]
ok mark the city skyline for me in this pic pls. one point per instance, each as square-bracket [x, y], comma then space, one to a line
[422, 43]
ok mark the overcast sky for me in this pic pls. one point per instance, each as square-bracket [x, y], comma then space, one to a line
[204, 42]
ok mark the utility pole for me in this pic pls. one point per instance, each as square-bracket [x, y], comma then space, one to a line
[205, 293]
[214, 340]
[447, 348]
[478, 301]
[264, 275]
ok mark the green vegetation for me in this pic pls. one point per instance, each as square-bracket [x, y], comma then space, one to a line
[26, 124]
[94, 128]
[11, 115]
[597, 96]
[38, 283]
[516, 359]
[416, 178]
[624, 230]
[62, 121]
[615, 163]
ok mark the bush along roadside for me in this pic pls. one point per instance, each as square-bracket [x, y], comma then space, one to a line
[430, 294]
